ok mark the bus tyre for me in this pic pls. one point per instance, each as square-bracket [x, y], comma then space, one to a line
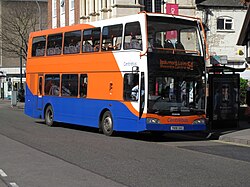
[49, 116]
[107, 124]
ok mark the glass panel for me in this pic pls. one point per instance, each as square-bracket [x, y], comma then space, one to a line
[91, 40]
[72, 42]
[220, 24]
[228, 26]
[40, 86]
[83, 85]
[54, 44]
[172, 36]
[38, 46]
[176, 94]
[133, 39]
[188, 42]
[112, 37]
[131, 87]
[52, 84]
[69, 85]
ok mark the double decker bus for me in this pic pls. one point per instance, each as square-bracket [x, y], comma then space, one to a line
[144, 72]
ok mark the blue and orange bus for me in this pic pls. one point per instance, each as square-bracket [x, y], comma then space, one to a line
[144, 72]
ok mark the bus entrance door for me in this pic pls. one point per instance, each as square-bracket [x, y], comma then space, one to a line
[39, 93]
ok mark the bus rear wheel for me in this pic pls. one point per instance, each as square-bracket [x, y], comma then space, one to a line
[49, 116]
[107, 124]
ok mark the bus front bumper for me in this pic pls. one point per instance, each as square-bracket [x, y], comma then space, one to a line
[176, 128]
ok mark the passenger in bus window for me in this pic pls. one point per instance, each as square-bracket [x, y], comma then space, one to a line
[83, 89]
[180, 48]
[184, 100]
[96, 45]
[57, 49]
[66, 50]
[54, 90]
[51, 50]
[39, 50]
[151, 32]
[78, 47]
[87, 47]
[135, 43]
[66, 91]
[72, 47]
[135, 92]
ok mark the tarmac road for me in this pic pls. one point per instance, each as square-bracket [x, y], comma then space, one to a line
[32, 154]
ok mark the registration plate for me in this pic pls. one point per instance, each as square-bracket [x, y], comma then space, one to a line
[177, 128]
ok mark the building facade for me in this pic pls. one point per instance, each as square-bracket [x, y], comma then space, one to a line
[223, 19]
[244, 38]
[68, 12]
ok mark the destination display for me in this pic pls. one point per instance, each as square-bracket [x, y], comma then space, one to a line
[176, 65]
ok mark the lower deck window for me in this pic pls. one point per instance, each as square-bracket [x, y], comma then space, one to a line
[52, 84]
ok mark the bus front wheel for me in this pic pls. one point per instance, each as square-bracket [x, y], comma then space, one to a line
[49, 116]
[107, 124]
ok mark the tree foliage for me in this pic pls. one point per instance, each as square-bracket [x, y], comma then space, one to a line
[243, 90]
[18, 20]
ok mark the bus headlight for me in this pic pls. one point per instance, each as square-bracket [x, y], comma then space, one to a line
[199, 121]
[153, 120]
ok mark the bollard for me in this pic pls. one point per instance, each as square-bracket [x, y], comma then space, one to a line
[13, 98]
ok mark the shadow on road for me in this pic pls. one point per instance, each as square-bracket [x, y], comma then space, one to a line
[160, 136]
[141, 136]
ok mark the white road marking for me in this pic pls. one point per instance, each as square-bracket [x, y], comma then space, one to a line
[13, 184]
[2, 173]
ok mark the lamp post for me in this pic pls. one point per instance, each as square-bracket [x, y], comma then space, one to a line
[21, 70]
[40, 16]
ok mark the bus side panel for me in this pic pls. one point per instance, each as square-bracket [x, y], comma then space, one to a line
[87, 112]
[30, 105]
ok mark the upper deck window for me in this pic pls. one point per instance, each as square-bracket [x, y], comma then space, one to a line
[132, 39]
[72, 41]
[54, 45]
[176, 36]
[91, 40]
[38, 46]
[112, 37]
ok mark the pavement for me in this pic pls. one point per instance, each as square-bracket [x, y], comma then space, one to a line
[240, 135]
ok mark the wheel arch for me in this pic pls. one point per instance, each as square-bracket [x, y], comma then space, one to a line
[101, 115]
[44, 109]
